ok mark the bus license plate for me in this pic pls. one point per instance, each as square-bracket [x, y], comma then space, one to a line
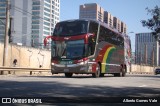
[66, 70]
[66, 62]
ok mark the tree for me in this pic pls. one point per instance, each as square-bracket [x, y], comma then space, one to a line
[154, 22]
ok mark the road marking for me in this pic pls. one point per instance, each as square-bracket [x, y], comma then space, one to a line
[142, 86]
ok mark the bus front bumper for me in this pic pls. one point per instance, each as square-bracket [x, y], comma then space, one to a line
[73, 68]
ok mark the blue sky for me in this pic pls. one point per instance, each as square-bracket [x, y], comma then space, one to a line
[129, 11]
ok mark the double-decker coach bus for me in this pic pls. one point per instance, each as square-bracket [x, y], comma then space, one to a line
[86, 47]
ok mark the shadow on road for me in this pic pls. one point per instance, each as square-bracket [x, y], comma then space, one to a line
[55, 88]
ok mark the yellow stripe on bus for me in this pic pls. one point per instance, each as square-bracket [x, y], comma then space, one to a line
[105, 58]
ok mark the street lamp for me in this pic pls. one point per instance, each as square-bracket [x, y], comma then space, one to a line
[129, 33]
[128, 50]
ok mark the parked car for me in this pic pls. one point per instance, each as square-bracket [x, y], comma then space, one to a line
[157, 71]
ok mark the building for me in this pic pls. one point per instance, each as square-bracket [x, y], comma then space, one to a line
[2, 19]
[96, 12]
[91, 11]
[45, 14]
[108, 18]
[146, 49]
[21, 21]
[32, 20]
[123, 27]
[117, 24]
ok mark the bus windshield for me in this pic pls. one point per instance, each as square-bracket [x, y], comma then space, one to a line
[68, 49]
[70, 28]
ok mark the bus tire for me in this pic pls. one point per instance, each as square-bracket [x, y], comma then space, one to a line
[116, 74]
[123, 72]
[68, 75]
[102, 75]
[98, 71]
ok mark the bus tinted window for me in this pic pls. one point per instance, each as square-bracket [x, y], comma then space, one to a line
[110, 37]
[93, 28]
[70, 28]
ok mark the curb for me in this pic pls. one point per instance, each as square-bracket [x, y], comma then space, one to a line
[140, 73]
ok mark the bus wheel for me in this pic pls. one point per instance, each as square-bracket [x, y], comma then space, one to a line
[116, 74]
[97, 73]
[123, 73]
[102, 75]
[68, 75]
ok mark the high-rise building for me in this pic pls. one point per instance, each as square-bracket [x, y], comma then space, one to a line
[117, 24]
[147, 49]
[108, 18]
[45, 14]
[32, 20]
[21, 21]
[96, 12]
[91, 11]
[2, 19]
[123, 27]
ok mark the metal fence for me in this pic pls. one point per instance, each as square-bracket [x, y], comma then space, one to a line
[9, 70]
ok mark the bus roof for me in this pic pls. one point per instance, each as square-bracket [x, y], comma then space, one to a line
[101, 23]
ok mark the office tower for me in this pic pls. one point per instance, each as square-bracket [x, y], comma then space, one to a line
[96, 12]
[117, 24]
[91, 11]
[31, 20]
[146, 49]
[2, 19]
[45, 14]
[108, 18]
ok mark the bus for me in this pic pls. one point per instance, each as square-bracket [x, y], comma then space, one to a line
[83, 46]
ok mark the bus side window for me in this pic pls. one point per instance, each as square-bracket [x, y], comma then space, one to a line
[102, 34]
[120, 41]
[91, 45]
[108, 38]
[93, 28]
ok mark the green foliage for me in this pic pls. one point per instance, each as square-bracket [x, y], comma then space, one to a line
[154, 22]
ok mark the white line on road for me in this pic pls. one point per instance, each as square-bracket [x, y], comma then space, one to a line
[142, 86]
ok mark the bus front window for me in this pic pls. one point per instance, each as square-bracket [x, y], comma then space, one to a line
[70, 28]
[69, 49]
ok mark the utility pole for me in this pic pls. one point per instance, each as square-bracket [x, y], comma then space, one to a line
[153, 56]
[5, 51]
[145, 54]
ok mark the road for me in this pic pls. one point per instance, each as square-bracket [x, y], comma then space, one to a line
[79, 86]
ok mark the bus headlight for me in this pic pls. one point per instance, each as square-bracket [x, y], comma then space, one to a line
[82, 63]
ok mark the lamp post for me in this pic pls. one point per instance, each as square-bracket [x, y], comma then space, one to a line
[158, 51]
[128, 51]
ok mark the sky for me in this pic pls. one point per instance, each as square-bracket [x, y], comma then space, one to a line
[130, 12]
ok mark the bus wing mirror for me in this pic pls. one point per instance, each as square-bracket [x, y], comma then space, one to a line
[46, 40]
[90, 35]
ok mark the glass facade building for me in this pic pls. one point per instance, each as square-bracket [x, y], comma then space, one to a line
[2, 19]
[32, 20]
[146, 49]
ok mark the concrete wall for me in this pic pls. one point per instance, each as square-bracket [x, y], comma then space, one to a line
[142, 69]
[31, 57]
[26, 56]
